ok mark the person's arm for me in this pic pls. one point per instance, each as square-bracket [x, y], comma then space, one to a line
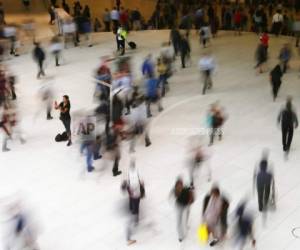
[295, 120]
[56, 106]
[205, 203]
[279, 117]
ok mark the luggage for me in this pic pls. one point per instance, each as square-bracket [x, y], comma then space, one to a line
[132, 45]
[61, 137]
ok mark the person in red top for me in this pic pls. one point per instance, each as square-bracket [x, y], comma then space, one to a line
[264, 39]
[124, 18]
[238, 21]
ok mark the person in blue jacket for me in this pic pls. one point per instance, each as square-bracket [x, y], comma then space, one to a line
[153, 94]
[148, 67]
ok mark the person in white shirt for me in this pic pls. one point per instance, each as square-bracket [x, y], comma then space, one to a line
[207, 66]
[135, 188]
[56, 48]
[114, 16]
[138, 123]
[277, 22]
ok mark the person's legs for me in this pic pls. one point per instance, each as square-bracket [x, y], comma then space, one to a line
[148, 103]
[147, 138]
[266, 196]
[40, 68]
[159, 105]
[260, 196]
[206, 81]
[89, 157]
[49, 108]
[182, 56]
[284, 131]
[122, 44]
[56, 54]
[132, 143]
[289, 138]
[180, 210]
[204, 42]
[212, 136]
[4, 142]
[115, 169]
[67, 125]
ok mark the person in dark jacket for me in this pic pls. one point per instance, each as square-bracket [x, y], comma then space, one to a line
[184, 50]
[288, 120]
[175, 40]
[275, 77]
[111, 144]
[264, 180]
[184, 196]
[65, 116]
[244, 226]
[39, 56]
[261, 57]
[51, 12]
[65, 6]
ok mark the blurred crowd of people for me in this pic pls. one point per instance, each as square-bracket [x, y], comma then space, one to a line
[124, 107]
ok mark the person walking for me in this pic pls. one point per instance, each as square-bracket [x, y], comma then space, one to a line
[264, 181]
[184, 196]
[288, 120]
[285, 56]
[153, 94]
[111, 141]
[139, 123]
[106, 20]
[56, 48]
[87, 147]
[135, 187]
[275, 77]
[148, 67]
[215, 120]
[162, 71]
[47, 96]
[205, 34]
[211, 212]
[175, 38]
[261, 57]
[65, 116]
[244, 227]
[207, 66]
[39, 56]
[185, 50]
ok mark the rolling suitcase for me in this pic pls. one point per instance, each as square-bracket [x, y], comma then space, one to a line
[132, 45]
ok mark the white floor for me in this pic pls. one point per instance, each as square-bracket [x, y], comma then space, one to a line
[78, 211]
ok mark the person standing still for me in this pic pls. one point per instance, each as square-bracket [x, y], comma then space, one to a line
[114, 16]
[65, 116]
[106, 20]
[288, 120]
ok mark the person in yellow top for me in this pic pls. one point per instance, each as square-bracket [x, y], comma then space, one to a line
[162, 71]
[121, 38]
